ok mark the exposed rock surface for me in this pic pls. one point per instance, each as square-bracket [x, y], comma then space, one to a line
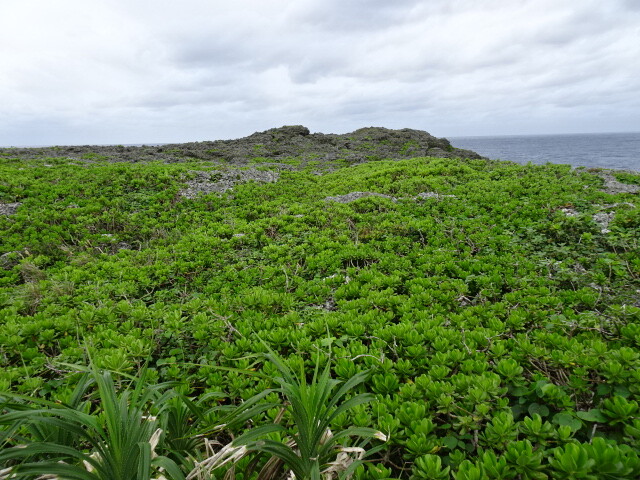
[607, 214]
[570, 212]
[613, 186]
[9, 208]
[425, 195]
[353, 196]
[221, 181]
[602, 218]
[276, 144]
[11, 259]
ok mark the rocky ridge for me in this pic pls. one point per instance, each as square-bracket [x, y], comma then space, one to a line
[274, 145]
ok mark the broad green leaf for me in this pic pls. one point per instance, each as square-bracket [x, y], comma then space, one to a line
[593, 415]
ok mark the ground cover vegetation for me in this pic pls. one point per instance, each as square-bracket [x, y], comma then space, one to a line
[473, 320]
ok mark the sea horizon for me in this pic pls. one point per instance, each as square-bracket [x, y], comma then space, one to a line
[543, 134]
[620, 150]
[449, 137]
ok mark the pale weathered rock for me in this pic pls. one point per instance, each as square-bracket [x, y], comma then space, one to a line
[604, 218]
[353, 196]
[9, 208]
[223, 180]
[569, 212]
[435, 195]
[613, 186]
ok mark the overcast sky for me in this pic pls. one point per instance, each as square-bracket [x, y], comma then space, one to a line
[153, 71]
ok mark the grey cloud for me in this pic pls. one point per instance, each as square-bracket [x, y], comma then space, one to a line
[211, 53]
[632, 5]
[183, 71]
[359, 15]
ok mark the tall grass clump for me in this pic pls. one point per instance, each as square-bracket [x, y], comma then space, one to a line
[308, 449]
[110, 437]
[143, 432]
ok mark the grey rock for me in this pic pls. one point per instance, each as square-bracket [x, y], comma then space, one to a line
[619, 204]
[613, 186]
[435, 152]
[353, 196]
[9, 208]
[222, 181]
[569, 212]
[604, 217]
[10, 259]
[276, 144]
[425, 195]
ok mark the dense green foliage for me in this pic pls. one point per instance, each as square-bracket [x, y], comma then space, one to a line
[499, 325]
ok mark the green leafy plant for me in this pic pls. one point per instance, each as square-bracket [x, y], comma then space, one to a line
[501, 431]
[525, 461]
[496, 467]
[619, 409]
[611, 461]
[573, 462]
[429, 467]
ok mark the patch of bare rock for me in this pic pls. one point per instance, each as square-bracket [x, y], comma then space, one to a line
[353, 196]
[602, 218]
[220, 181]
[9, 208]
[613, 186]
[607, 214]
[425, 195]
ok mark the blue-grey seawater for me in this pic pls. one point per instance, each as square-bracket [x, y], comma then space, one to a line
[602, 150]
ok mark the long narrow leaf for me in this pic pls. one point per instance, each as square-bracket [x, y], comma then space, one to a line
[285, 453]
[364, 432]
[40, 448]
[62, 470]
[169, 466]
[352, 382]
[256, 433]
[144, 460]
[349, 404]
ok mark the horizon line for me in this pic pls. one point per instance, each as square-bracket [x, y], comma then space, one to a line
[158, 144]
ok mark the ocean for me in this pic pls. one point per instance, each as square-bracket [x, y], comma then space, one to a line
[604, 150]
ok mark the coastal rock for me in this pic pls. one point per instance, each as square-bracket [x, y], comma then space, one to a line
[274, 145]
[607, 214]
[10, 259]
[603, 219]
[569, 212]
[221, 181]
[425, 195]
[9, 208]
[353, 196]
[613, 186]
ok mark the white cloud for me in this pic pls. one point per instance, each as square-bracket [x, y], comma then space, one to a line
[115, 71]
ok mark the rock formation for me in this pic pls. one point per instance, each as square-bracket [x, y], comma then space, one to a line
[276, 145]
